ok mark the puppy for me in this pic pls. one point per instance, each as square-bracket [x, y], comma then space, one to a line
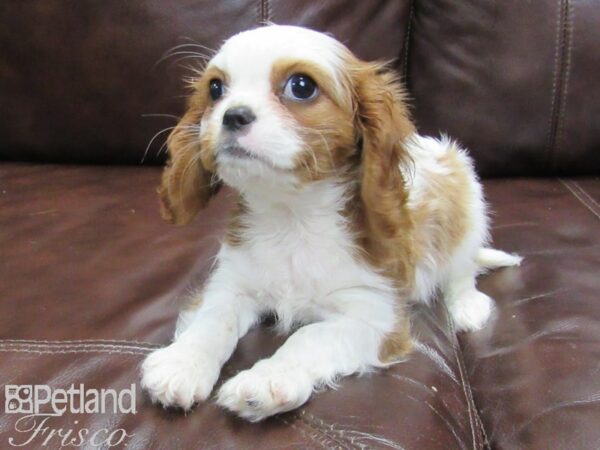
[344, 216]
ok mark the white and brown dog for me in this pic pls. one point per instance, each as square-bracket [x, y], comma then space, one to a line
[345, 216]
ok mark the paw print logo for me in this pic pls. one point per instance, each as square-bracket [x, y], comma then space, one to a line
[18, 399]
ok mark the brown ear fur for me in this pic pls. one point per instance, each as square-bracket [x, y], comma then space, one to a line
[187, 181]
[384, 125]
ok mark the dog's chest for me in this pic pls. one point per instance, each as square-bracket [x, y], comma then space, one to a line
[296, 260]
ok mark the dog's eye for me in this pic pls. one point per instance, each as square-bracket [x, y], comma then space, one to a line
[216, 89]
[300, 87]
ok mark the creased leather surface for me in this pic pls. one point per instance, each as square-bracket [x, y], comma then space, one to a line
[515, 81]
[535, 370]
[91, 280]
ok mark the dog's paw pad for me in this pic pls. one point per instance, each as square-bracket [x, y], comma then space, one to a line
[265, 390]
[175, 376]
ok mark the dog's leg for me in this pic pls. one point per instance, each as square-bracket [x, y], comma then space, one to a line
[469, 308]
[185, 372]
[315, 355]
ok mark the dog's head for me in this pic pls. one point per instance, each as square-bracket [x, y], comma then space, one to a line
[280, 107]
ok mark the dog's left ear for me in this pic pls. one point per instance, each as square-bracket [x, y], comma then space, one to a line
[383, 125]
[188, 180]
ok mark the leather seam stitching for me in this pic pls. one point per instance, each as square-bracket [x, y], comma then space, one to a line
[69, 351]
[264, 12]
[84, 342]
[557, 82]
[580, 195]
[77, 346]
[411, 12]
[471, 408]
[593, 202]
[482, 430]
[554, 80]
[568, 43]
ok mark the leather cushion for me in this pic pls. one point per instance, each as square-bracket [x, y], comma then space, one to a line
[92, 280]
[515, 81]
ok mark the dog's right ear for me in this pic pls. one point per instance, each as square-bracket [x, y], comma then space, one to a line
[188, 180]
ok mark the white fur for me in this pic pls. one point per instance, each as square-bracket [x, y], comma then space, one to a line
[298, 260]
[454, 274]
[248, 58]
[438, 269]
[489, 258]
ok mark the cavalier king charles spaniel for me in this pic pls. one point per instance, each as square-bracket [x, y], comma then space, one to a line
[345, 216]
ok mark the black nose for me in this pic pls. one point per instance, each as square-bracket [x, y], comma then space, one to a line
[238, 117]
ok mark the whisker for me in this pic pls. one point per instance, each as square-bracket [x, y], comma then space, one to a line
[186, 55]
[152, 140]
[193, 130]
[305, 164]
[190, 163]
[190, 81]
[193, 45]
[321, 135]
[314, 157]
[326, 146]
[170, 116]
[187, 128]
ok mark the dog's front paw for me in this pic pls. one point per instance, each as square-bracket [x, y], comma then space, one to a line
[177, 376]
[264, 390]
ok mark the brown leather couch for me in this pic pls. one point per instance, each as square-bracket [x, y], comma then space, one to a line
[91, 279]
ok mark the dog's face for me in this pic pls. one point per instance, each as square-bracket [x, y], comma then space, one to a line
[276, 108]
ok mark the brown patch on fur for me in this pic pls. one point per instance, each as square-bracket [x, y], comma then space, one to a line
[397, 344]
[333, 127]
[383, 225]
[387, 225]
[456, 196]
[324, 124]
[284, 68]
[393, 236]
[450, 217]
[236, 226]
[187, 181]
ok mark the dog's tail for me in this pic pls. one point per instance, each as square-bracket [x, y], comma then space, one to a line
[489, 258]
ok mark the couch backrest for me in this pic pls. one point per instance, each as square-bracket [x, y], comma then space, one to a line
[82, 80]
[517, 82]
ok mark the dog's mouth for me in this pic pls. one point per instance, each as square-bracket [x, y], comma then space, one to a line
[235, 150]
[232, 152]
[242, 169]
